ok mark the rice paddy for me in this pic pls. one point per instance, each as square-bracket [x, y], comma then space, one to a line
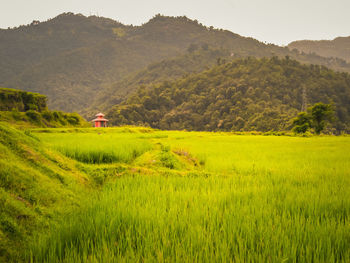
[97, 148]
[205, 197]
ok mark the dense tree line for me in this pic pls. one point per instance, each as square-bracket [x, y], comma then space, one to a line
[17, 106]
[11, 99]
[242, 95]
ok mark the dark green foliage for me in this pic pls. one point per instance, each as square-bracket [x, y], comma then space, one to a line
[321, 114]
[25, 107]
[12, 99]
[47, 115]
[71, 58]
[73, 119]
[302, 123]
[244, 95]
[302, 128]
[316, 117]
[58, 118]
[34, 116]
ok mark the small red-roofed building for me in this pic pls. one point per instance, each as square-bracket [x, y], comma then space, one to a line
[100, 121]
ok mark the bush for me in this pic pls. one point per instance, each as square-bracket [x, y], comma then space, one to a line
[73, 119]
[34, 115]
[301, 128]
[32, 107]
[56, 115]
[316, 117]
[47, 115]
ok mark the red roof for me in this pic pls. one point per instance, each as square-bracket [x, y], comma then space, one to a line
[99, 114]
[100, 119]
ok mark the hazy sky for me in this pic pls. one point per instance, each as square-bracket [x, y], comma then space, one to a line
[273, 21]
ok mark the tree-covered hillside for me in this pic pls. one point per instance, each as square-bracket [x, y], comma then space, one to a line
[11, 99]
[71, 58]
[246, 94]
[28, 109]
[336, 48]
[195, 60]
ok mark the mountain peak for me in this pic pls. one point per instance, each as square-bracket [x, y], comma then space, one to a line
[159, 18]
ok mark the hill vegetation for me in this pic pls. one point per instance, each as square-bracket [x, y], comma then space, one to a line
[242, 95]
[21, 108]
[336, 48]
[195, 60]
[11, 99]
[71, 58]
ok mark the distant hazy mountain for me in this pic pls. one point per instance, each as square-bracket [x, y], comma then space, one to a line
[74, 59]
[339, 47]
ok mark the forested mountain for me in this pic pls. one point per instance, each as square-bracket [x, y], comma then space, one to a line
[195, 60]
[336, 48]
[242, 95]
[73, 59]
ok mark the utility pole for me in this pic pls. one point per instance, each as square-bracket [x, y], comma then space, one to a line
[304, 99]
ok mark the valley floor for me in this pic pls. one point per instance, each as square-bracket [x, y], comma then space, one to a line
[169, 196]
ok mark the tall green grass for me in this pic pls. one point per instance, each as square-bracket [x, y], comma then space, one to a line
[231, 154]
[94, 148]
[264, 199]
[215, 219]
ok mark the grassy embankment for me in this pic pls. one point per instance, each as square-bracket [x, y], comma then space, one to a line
[37, 186]
[191, 196]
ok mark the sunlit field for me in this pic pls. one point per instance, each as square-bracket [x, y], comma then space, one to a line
[95, 148]
[204, 197]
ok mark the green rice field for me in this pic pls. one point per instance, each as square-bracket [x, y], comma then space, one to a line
[171, 196]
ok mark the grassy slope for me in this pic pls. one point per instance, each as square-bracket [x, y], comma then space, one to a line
[36, 186]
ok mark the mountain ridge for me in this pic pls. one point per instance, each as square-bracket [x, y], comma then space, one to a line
[71, 58]
[337, 47]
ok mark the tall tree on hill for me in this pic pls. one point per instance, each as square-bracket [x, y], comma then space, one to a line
[321, 114]
[302, 122]
[316, 117]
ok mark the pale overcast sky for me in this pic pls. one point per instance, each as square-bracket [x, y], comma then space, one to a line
[273, 21]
